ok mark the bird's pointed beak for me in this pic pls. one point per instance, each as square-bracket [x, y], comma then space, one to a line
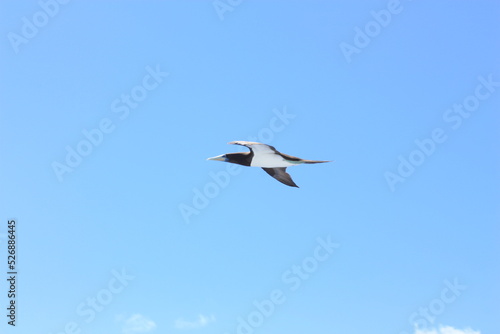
[218, 158]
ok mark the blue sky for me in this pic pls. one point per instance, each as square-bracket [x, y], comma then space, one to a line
[109, 110]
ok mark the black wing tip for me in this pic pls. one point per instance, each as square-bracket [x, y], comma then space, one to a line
[290, 184]
[293, 185]
[316, 161]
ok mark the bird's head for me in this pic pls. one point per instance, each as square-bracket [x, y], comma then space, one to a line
[234, 158]
[222, 157]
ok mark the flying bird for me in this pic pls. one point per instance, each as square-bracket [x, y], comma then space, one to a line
[266, 157]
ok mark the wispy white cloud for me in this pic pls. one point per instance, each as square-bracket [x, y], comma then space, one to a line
[446, 330]
[136, 323]
[199, 322]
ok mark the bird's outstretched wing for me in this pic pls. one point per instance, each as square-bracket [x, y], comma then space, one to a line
[244, 143]
[281, 175]
[262, 149]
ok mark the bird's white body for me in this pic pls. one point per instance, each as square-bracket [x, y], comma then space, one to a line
[264, 156]
[270, 161]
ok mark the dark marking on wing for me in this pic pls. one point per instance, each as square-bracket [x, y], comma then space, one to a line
[289, 157]
[281, 175]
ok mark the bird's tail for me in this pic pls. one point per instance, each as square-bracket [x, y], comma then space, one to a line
[315, 161]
